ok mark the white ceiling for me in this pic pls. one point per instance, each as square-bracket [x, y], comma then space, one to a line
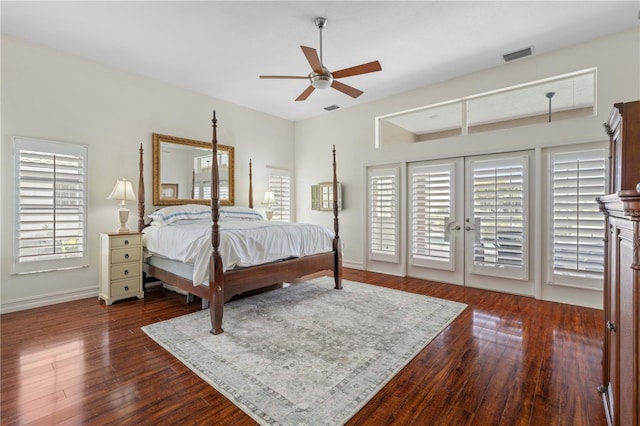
[219, 48]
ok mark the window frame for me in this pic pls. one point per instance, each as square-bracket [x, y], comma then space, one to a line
[280, 174]
[592, 282]
[57, 261]
[386, 170]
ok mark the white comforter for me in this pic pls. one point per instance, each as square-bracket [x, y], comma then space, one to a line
[242, 243]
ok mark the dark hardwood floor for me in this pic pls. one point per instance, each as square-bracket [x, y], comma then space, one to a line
[506, 360]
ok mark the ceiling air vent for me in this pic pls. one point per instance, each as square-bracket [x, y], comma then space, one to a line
[331, 107]
[508, 57]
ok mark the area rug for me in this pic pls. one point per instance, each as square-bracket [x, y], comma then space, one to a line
[307, 354]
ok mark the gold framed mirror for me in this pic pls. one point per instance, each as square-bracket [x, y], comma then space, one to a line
[182, 171]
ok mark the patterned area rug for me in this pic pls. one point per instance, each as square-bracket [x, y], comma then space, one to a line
[307, 354]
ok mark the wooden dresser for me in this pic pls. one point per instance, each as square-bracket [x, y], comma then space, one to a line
[621, 363]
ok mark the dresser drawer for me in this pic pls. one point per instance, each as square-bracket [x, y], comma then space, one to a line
[125, 255]
[123, 287]
[126, 241]
[125, 270]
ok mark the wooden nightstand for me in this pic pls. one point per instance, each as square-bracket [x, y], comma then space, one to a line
[120, 266]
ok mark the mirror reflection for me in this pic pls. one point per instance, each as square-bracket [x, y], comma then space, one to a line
[182, 171]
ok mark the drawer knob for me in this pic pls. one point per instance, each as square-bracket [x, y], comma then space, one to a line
[126, 242]
[126, 256]
[126, 288]
[126, 272]
[611, 326]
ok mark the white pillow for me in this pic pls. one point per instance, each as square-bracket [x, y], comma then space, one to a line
[190, 212]
[239, 213]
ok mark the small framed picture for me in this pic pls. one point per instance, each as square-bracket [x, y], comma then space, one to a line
[169, 190]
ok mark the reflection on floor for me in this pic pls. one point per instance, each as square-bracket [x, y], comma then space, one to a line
[506, 360]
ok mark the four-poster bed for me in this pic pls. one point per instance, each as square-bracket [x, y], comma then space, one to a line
[224, 284]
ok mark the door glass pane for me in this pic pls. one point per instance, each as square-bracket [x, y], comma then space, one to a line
[498, 214]
[431, 213]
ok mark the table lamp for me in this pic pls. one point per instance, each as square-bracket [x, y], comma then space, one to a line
[269, 199]
[123, 191]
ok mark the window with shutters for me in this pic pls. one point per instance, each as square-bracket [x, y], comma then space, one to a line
[384, 210]
[50, 205]
[498, 216]
[577, 247]
[280, 185]
[431, 201]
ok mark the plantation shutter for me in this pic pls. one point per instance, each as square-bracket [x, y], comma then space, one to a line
[280, 185]
[498, 216]
[431, 213]
[578, 225]
[384, 209]
[50, 205]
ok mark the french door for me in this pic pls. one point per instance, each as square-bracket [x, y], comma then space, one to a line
[436, 212]
[469, 221]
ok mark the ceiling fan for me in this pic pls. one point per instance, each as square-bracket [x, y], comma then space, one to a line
[320, 77]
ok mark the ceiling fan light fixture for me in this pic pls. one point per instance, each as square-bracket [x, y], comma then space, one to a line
[321, 81]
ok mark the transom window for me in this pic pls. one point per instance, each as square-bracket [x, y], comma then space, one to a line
[555, 98]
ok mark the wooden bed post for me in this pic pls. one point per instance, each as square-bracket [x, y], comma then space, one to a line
[193, 184]
[216, 281]
[337, 245]
[140, 192]
[250, 185]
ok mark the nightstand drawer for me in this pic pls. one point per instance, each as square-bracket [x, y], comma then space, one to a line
[125, 270]
[126, 241]
[125, 255]
[123, 287]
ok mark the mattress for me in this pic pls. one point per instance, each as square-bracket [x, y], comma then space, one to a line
[242, 243]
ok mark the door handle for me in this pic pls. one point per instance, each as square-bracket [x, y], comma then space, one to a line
[473, 226]
[449, 227]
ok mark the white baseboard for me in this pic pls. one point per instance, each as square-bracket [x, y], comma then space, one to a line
[352, 265]
[47, 299]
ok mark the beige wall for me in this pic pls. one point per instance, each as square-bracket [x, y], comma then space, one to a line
[50, 95]
[352, 131]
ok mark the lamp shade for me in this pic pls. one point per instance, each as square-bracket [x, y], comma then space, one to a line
[122, 191]
[269, 198]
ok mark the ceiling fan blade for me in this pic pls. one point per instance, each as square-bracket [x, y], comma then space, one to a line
[351, 91]
[284, 76]
[358, 69]
[312, 57]
[304, 95]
